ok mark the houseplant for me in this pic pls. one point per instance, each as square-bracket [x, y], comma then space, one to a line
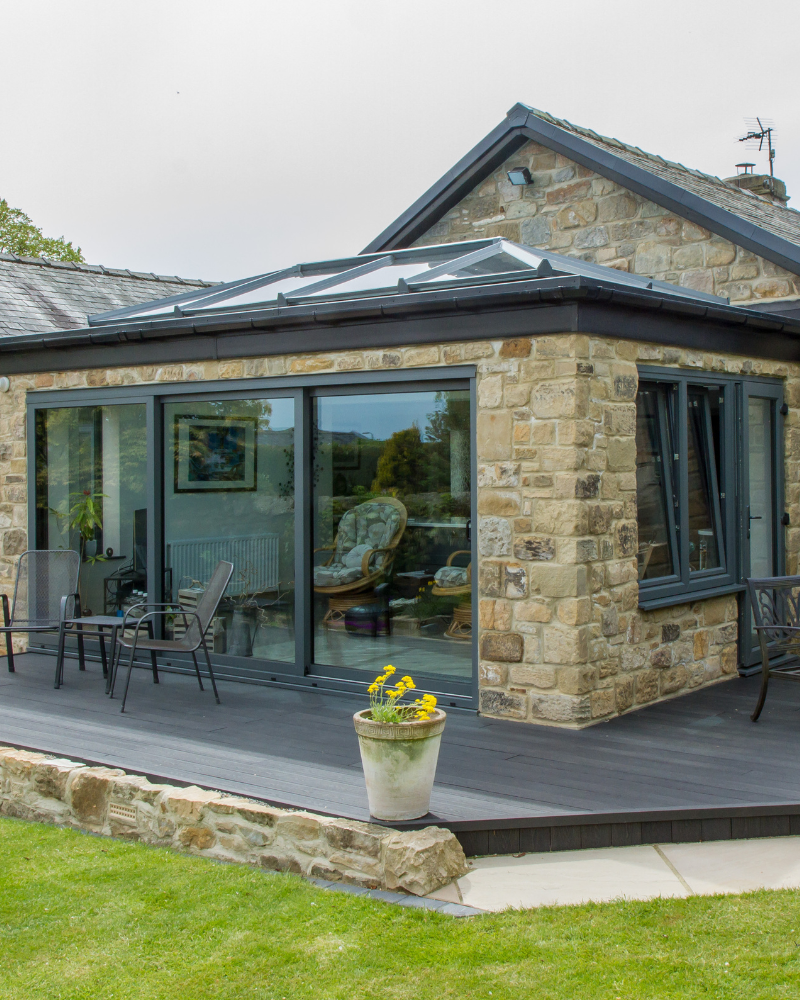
[84, 515]
[399, 745]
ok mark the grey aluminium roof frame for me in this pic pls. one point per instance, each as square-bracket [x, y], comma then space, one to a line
[523, 124]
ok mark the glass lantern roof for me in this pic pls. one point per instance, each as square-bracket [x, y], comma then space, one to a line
[401, 272]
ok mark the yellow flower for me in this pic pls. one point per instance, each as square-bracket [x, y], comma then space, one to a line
[389, 670]
[408, 682]
[394, 694]
[372, 688]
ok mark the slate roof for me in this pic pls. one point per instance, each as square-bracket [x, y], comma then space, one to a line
[39, 295]
[778, 219]
[771, 231]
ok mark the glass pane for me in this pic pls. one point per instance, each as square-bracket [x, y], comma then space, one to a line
[702, 470]
[229, 494]
[652, 495]
[391, 504]
[759, 426]
[96, 454]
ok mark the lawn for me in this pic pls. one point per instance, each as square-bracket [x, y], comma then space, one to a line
[87, 917]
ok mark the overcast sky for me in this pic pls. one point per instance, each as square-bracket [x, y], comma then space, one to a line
[221, 139]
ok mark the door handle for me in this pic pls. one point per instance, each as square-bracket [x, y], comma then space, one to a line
[755, 517]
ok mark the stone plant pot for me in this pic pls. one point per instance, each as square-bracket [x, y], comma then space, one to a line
[399, 761]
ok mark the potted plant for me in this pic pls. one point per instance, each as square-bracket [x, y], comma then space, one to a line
[399, 746]
[85, 515]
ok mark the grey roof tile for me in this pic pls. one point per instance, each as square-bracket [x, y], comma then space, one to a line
[39, 295]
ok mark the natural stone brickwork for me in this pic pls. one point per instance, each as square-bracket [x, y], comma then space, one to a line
[572, 210]
[561, 638]
[108, 801]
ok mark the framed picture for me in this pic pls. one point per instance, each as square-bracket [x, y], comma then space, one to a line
[215, 454]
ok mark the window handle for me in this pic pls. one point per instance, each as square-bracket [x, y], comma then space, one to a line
[755, 517]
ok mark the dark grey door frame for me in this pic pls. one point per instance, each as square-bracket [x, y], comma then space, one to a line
[749, 653]
[301, 388]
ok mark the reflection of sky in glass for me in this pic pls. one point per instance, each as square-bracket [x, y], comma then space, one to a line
[383, 277]
[380, 415]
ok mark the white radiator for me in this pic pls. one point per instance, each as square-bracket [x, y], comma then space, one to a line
[254, 558]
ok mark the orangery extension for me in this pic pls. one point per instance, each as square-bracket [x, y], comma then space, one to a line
[536, 482]
[529, 443]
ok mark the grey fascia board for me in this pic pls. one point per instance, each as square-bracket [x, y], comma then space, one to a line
[478, 163]
[523, 124]
[435, 301]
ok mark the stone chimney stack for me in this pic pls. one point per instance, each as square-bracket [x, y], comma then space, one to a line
[766, 187]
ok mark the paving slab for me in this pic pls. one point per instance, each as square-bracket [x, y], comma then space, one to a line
[737, 865]
[642, 872]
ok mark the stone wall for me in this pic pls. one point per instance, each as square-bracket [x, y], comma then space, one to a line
[222, 827]
[561, 639]
[572, 210]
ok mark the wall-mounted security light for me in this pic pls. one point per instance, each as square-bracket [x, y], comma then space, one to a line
[519, 176]
[5, 385]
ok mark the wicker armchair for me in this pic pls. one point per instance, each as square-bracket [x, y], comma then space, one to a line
[456, 581]
[361, 555]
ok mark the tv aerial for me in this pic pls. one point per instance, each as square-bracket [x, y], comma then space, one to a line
[760, 131]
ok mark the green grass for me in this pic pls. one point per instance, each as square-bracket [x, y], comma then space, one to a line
[82, 916]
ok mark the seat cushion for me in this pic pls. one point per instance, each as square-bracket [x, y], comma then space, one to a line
[336, 575]
[451, 576]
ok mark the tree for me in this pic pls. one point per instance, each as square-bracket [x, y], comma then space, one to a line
[19, 235]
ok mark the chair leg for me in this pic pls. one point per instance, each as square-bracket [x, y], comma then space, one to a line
[81, 652]
[762, 694]
[153, 657]
[128, 678]
[102, 640]
[62, 637]
[9, 639]
[116, 656]
[210, 670]
[197, 671]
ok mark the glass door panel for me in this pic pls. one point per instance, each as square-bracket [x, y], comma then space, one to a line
[762, 500]
[391, 510]
[229, 494]
[97, 453]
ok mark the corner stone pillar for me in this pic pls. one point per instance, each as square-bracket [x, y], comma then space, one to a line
[557, 528]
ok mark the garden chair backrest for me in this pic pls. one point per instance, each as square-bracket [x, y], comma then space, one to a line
[776, 610]
[208, 603]
[44, 576]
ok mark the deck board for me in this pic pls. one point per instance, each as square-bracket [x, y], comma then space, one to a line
[299, 749]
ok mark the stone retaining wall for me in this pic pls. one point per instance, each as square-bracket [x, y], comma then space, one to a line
[104, 800]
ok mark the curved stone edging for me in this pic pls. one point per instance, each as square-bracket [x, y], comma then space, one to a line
[105, 800]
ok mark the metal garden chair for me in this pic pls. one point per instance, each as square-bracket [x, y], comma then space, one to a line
[45, 593]
[776, 609]
[193, 638]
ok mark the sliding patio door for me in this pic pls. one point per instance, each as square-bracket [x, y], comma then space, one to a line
[391, 511]
[96, 454]
[228, 489]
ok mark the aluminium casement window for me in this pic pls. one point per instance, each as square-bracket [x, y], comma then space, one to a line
[683, 482]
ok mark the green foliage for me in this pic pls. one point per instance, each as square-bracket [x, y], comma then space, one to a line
[19, 235]
[401, 467]
[90, 917]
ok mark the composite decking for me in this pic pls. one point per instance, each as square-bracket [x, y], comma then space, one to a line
[693, 768]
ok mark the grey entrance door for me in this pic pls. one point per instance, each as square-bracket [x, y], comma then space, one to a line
[761, 496]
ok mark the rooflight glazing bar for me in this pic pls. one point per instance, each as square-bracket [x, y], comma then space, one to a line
[341, 277]
[457, 263]
[249, 285]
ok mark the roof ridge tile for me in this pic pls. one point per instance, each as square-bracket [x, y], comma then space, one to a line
[101, 269]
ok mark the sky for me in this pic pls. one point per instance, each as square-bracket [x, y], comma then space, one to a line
[223, 139]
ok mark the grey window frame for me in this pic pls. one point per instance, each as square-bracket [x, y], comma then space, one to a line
[302, 388]
[728, 511]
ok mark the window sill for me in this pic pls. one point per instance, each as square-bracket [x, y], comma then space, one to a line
[688, 596]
